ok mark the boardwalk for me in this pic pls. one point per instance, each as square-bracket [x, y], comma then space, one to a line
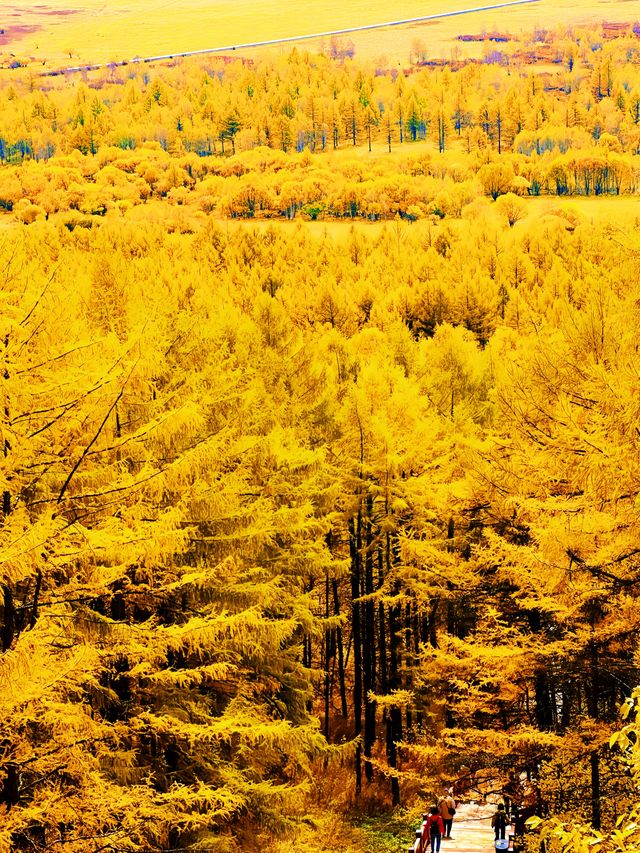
[471, 832]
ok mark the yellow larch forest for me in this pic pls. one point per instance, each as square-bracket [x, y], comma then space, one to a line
[320, 432]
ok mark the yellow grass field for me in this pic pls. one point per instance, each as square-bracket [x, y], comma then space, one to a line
[95, 31]
[615, 212]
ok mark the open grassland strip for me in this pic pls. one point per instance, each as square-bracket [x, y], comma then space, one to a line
[288, 39]
[96, 33]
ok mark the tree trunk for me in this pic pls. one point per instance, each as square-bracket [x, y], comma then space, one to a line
[343, 689]
[6, 495]
[327, 657]
[382, 624]
[433, 636]
[408, 656]
[36, 595]
[11, 787]
[595, 790]
[354, 550]
[369, 644]
[9, 625]
[394, 720]
[544, 711]
[593, 696]
[415, 632]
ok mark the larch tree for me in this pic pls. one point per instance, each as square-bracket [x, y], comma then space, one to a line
[157, 538]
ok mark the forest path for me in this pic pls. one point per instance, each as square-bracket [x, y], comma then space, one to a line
[471, 831]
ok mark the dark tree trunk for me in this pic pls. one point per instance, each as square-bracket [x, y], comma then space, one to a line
[451, 622]
[593, 696]
[382, 624]
[408, 656]
[36, 595]
[433, 635]
[306, 652]
[340, 645]
[9, 623]
[593, 686]
[11, 787]
[544, 711]
[394, 720]
[416, 626]
[595, 790]
[354, 550]
[369, 644]
[441, 137]
[565, 716]
[6, 495]
[327, 658]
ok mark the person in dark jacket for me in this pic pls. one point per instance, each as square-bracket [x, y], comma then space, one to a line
[499, 822]
[435, 829]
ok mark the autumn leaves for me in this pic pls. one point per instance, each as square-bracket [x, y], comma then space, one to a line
[238, 140]
[275, 496]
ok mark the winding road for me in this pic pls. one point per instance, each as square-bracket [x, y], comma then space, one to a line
[288, 39]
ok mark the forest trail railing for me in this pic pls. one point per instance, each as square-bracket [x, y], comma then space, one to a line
[286, 39]
[471, 833]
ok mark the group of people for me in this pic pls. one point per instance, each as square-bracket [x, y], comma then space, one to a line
[440, 820]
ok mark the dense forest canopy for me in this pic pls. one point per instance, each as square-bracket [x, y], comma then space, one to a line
[307, 517]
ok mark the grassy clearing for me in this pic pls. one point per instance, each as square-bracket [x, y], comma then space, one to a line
[616, 210]
[613, 211]
[388, 833]
[91, 30]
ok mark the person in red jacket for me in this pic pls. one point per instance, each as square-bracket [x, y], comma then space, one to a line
[435, 829]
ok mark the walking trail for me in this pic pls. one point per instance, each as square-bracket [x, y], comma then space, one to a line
[471, 831]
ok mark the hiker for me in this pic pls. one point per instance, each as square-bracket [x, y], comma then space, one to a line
[499, 822]
[435, 829]
[447, 809]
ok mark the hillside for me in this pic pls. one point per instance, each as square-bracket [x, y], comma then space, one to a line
[319, 470]
[92, 31]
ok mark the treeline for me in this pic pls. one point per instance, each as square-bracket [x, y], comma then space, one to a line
[280, 508]
[304, 102]
[267, 184]
[121, 140]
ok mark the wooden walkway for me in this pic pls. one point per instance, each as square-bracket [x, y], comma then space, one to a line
[471, 831]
